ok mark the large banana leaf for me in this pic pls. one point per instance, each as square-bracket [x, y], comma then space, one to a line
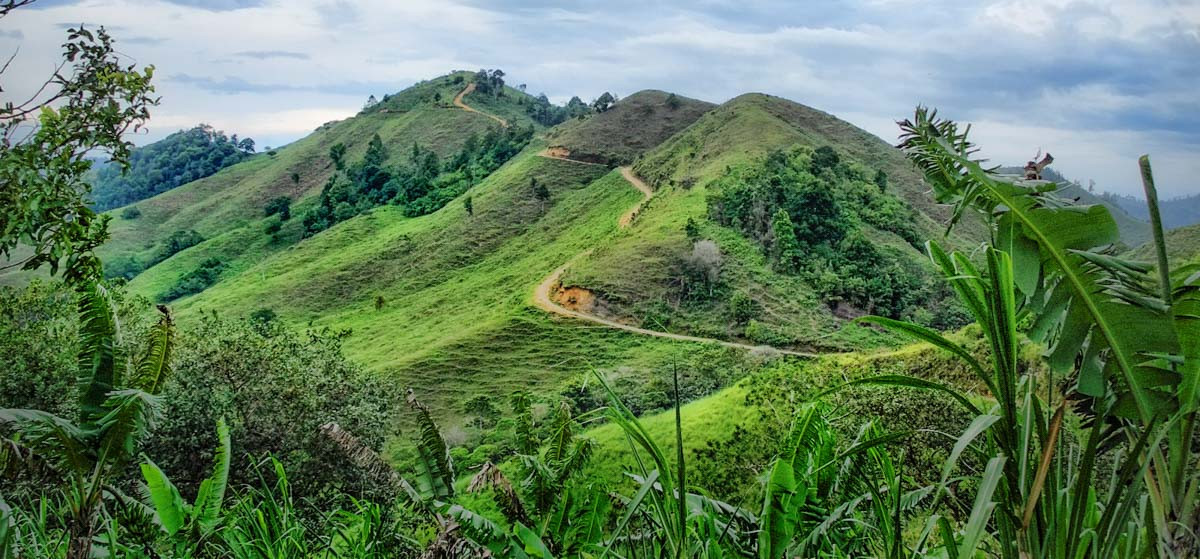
[435, 470]
[1091, 308]
[101, 364]
[206, 512]
[168, 504]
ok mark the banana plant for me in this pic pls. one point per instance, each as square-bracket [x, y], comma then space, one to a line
[117, 400]
[190, 526]
[1127, 344]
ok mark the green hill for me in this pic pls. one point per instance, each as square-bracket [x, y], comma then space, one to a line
[1183, 247]
[633, 126]
[444, 302]
[178, 159]
[638, 277]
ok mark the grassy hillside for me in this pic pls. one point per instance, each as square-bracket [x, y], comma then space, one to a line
[638, 277]
[226, 208]
[726, 435]
[453, 317]
[633, 126]
[1183, 247]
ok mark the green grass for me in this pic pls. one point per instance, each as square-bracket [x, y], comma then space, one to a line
[760, 405]
[638, 275]
[456, 319]
[1183, 247]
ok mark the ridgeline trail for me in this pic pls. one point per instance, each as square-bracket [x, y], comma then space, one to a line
[543, 294]
[458, 102]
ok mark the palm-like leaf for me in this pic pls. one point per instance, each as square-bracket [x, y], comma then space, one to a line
[154, 367]
[101, 364]
[206, 512]
[435, 470]
[1053, 245]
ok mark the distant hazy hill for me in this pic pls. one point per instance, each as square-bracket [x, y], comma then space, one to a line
[1176, 212]
[1134, 231]
[180, 158]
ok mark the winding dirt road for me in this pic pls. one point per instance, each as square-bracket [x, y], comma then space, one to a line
[543, 293]
[458, 102]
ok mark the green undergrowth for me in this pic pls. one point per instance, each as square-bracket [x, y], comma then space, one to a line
[728, 436]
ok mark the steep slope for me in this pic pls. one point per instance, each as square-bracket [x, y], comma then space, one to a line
[1183, 247]
[638, 278]
[227, 209]
[631, 127]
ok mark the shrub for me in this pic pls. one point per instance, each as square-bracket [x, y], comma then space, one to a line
[132, 212]
[197, 280]
[275, 388]
[703, 267]
[281, 205]
[742, 308]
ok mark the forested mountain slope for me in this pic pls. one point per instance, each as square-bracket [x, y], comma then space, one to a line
[175, 160]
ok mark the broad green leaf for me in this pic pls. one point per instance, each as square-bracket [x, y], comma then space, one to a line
[165, 497]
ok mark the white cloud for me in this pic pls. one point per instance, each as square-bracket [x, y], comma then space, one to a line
[1095, 82]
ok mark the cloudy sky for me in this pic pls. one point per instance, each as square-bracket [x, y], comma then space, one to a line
[1095, 83]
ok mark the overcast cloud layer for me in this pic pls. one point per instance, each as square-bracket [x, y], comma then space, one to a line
[1095, 83]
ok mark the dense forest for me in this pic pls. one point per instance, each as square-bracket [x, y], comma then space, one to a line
[179, 158]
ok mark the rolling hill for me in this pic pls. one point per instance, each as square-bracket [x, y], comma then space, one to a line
[448, 302]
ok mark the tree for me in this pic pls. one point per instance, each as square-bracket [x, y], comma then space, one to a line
[692, 230]
[603, 102]
[469, 206]
[45, 143]
[787, 248]
[703, 264]
[281, 205]
[881, 180]
[337, 154]
[823, 157]
[117, 401]
[371, 102]
[246, 145]
[379, 302]
[540, 192]
[673, 102]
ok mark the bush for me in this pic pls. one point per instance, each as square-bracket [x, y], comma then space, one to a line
[132, 212]
[195, 281]
[703, 267]
[281, 205]
[275, 388]
[742, 308]
[273, 226]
